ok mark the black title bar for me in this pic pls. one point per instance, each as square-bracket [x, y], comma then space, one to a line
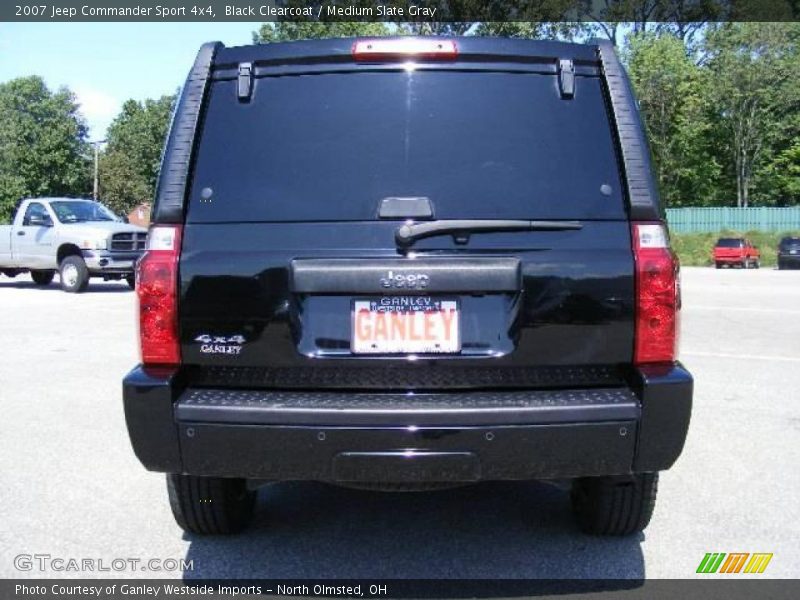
[421, 11]
[731, 588]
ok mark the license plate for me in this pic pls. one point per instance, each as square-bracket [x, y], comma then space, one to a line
[405, 325]
[792, 251]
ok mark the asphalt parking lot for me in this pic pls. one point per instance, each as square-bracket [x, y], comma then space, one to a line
[70, 486]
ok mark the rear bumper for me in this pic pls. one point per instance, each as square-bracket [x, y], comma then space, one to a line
[465, 436]
[789, 259]
[733, 260]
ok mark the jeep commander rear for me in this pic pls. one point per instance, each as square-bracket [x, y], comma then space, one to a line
[408, 263]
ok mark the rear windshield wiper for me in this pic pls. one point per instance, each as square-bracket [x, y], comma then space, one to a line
[407, 234]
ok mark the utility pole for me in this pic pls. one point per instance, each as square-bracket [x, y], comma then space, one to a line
[96, 145]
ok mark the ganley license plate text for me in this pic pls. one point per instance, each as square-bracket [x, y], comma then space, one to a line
[405, 324]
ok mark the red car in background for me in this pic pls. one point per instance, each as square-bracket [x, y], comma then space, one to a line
[736, 251]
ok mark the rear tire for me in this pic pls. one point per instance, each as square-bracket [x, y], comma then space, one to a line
[74, 274]
[131, 279]
[614, 505]
[42, 277]
[718, 265]
[757, 264]
[210, 505]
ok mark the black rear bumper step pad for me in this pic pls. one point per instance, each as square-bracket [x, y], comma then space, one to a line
[262, 407]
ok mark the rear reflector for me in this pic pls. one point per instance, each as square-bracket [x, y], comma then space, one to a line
[657, 295]
[157, 288]
[404, 48]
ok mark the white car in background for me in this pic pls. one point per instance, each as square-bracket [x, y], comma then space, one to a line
[79, 238]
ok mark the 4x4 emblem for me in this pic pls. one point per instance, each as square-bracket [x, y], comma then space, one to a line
[412, 281]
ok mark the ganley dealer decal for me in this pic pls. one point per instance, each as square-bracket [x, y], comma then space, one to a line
[217, 344]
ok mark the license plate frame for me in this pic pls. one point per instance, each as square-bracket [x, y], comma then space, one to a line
[445, 321]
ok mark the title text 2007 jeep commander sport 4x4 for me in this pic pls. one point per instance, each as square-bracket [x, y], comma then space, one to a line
[407, 264]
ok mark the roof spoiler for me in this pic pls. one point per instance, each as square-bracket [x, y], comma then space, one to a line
[642, 190]
[176, 159]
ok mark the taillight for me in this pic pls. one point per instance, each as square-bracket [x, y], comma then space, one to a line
[157, 288]
[404, 49]
[657, 295]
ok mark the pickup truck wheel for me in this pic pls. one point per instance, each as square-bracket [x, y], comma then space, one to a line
[131, 279]
[614, 505]
[757, 264]
[210, 505]
[718, 265]
[74, 274]
[42, 277]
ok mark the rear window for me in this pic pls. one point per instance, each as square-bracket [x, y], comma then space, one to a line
[478, 145]
[729, 243]
[790, 241]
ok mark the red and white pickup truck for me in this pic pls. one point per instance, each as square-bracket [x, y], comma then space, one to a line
[736, 251]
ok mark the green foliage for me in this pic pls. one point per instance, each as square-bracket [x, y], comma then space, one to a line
[695, 249]
[785, 172]
[754, 77]
[674, 104]
[129, 166]
[561, 30]
[545, 19]
[282, 31]
[722, 114]
[434, 28]
[43, 148]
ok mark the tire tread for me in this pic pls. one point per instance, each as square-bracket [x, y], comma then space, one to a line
[210, 505]
[615, 505]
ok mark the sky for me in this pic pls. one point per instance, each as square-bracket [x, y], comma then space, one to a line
[108, 63]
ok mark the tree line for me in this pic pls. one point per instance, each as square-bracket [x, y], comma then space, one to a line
[720, 102]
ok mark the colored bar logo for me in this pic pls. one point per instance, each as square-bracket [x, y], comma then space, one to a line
[734, 562]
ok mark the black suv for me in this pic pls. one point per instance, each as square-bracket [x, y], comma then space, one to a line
[408, 263]
[789, 253]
